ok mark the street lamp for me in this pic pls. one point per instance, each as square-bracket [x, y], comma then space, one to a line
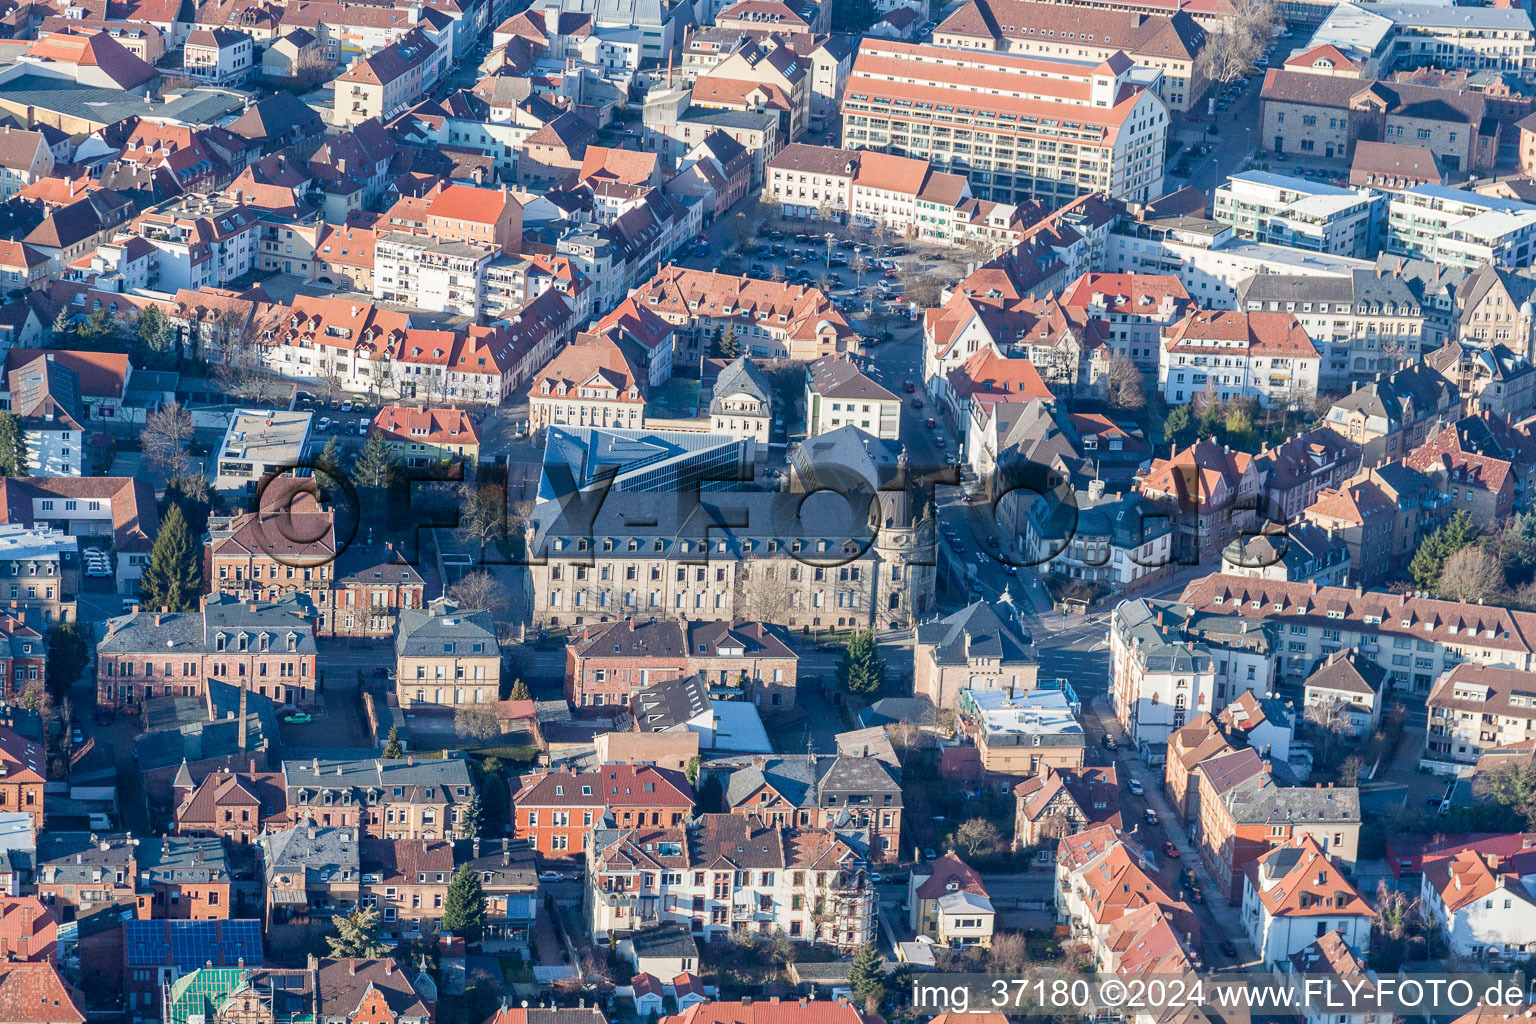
[830, 237]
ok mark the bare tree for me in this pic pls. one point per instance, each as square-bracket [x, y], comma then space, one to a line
[1471, 574]
[1122, 384]
[1330, 717]
[483, 512]
[166, 434]
[922, 288]
[764, 591]
[476, 723]
[330, 383]
[978, 836]
[481, 590]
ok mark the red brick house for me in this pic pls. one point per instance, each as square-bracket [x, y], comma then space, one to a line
[608, 663]
[22, 656]
[267, 646]
[237, 806]
[555, 811]
[25, 774]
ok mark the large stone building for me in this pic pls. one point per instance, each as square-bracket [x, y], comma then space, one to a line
[446, 657]
[1170, 43]
[1034, 113]
[977, 647]
[608, 664]
[267, 647]
[855, 555]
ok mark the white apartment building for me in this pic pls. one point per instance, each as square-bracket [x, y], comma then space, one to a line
[1266, 356]
[258, 442]
[810, 884]
[1481, 900]
[1298, 895]
[1300, 213]
[1474, 709]
[1397, 36]
[201, 241]
[218, 55]
[441, 275]
[1169, 663]
[1415, 638]
[1459, 228]
[1018, 127]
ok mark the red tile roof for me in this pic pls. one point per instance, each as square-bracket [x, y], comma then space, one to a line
[426, 426]
[33, 993]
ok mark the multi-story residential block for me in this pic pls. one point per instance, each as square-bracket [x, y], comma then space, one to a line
[266, 646]
[25, 158]
[1460, 228]
[23, 657]
[1298, 469]
[1492, 379]
[201, 240]
[45, 398]
[948, 903]
[1301, 213]
[40, 576]
[120, 507]
[596, 382]
[1474, 892]
[1024, 733]
[310, 873]
[741, 402]
[838, 394]
[905, 99]
[1133, 308]
[1493, 308]
[385, 83]
[406, 880]
[1108, 539]
[1364, 324]
[1170, 43]
[445, 656]
[973, 648]
[1105, 882]
[79, 872]
[461, 213]
[184, 878]
[1226, 355]
[1473, 709]
[556, 812]
[1413, 35]
[1417, 639]
[259, 446]
[21, 787]
[510, 881]
[843, 792]
[1211, 493]
[770, 320]
[732, 875]
[1296, 892]
[29, 933]
[1301, 552]
[287, 547]
[218, 56]
[381, 798]
[1171, 661]
[608, 664]
[416, 270]
[1388, 418]
[1245, 813]
[760, 77]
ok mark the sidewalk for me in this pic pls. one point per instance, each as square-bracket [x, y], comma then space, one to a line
[1227, 918]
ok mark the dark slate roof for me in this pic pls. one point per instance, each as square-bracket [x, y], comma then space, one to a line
[987, 633]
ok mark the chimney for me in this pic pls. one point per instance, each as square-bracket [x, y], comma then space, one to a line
[242, 740]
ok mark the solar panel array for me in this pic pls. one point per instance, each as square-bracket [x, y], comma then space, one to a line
[189, 945]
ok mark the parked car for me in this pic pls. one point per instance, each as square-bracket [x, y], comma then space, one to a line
[1171, 850]
[324, 424]
[917, 403]
[1108, 741]
[551, 876]
[1134, 785]
[909, 387]
[299, 718]
[1150, 815]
